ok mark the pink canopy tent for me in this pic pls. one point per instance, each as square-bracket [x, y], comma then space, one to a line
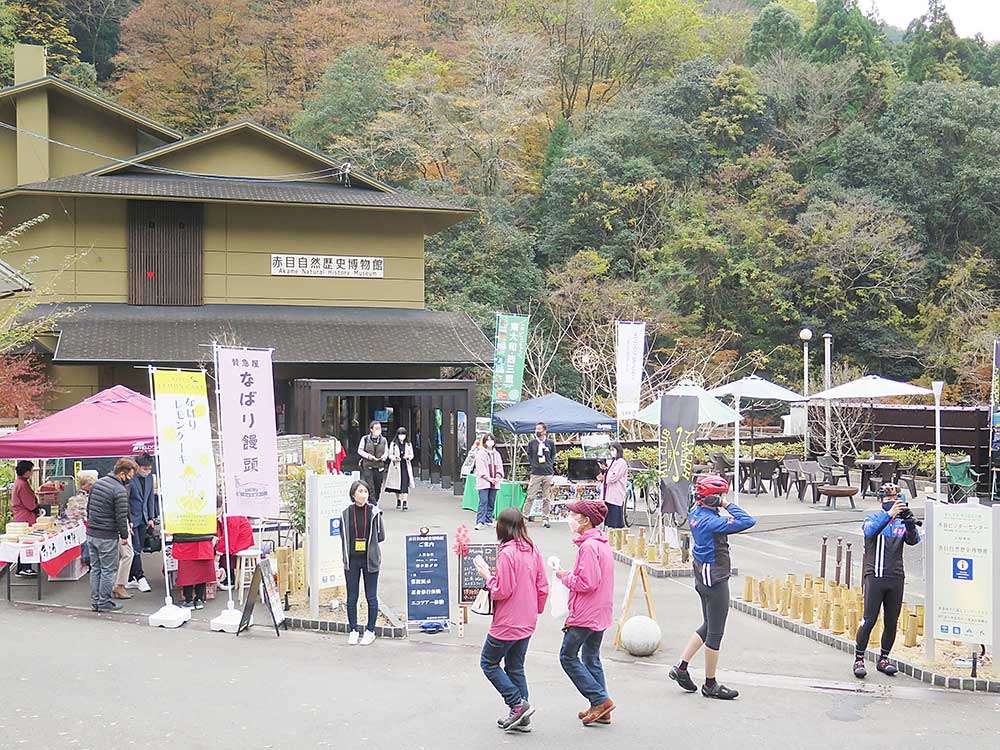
[115, 422]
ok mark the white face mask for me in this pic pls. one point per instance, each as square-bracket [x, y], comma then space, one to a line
[574, 525]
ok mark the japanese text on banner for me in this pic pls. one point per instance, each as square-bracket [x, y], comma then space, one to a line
[508, 361]
[184, 445]
[630, 357]
[249, 432]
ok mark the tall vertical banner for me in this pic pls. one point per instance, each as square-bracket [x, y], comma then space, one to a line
[508, 360]
[249, 432]
[964, 602]
[678, 430]
[995, 423]
[630, 358]
[184, 452]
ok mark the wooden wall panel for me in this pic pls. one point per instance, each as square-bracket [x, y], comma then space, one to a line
[165, 253]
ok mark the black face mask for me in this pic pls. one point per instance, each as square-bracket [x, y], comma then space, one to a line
[540, 435]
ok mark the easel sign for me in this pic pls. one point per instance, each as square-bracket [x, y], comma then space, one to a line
[637, 572]
[263, 584]
[469, 581]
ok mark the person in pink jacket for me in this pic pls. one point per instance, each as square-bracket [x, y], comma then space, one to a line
[519, 589]
[615, 479]
[591, 589]
[489, 474]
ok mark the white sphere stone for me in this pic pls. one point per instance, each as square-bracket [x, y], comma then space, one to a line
[641, 635]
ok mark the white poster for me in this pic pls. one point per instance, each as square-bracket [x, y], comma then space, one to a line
[963, 573]
[184, 452]
[249, 432]
[327, 496]
[630, 358]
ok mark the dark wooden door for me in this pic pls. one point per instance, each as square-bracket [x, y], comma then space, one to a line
[165, 253]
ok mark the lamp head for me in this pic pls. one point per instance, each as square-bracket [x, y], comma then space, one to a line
[806, 334]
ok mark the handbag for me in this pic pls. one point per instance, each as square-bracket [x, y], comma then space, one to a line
[153, 542]
[483, 604]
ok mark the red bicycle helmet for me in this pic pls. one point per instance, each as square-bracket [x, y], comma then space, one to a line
[710, 485]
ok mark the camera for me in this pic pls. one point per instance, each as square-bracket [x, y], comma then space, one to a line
[906, 516]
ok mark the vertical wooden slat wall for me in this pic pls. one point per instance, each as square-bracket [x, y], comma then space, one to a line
[165, 253]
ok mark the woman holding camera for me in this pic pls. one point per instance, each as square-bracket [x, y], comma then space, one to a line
[886, 531]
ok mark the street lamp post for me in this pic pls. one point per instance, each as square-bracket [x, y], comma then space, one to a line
[827, 353]
[805, 335]
[937, 386]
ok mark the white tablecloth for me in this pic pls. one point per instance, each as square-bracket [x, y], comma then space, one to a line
[46, 550]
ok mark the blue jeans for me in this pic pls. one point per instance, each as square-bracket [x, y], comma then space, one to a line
[509, 681]
[487, 499]
[103, 569]
[584, 669]
[357, 568]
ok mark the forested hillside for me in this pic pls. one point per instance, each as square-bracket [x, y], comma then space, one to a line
[727, 170]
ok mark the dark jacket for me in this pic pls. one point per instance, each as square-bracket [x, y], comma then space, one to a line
[376, 535]
[541, 468]
[884, 540]
[107, 509]
[140, 500]
[710, 531]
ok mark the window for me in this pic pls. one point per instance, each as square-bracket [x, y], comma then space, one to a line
[165, 253]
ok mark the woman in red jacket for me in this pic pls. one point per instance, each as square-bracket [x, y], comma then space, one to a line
[24, 505]
[240, 538]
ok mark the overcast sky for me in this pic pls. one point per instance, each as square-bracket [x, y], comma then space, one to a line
[969, 16]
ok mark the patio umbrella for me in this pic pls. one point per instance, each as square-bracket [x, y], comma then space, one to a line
[710, 409]
[869, 388]
[752, 388]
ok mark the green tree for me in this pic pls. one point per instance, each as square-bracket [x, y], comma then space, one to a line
[735, 120]
[96, 25]
[8, 37]
[936, 52]
[842, 30]
[560, 138]
[776, 28]
[82, 74]
[351, 93]
[44, 22]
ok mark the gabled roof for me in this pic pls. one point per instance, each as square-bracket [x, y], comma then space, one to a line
[230, 189]
[90, 97]
[322, 159]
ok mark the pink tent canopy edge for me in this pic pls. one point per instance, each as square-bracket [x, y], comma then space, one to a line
[114, 422]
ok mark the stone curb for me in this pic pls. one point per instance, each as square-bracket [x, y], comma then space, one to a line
[918, 673]
[660, 572]
[395, 630]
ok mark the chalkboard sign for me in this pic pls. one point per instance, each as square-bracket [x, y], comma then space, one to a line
[470, 582]
[427, 578]
[262, 583]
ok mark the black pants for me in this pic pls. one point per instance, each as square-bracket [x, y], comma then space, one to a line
[714, 610]
[885, 594]
[374, 479]
[356, 570]
[138, 537]
[198, 591]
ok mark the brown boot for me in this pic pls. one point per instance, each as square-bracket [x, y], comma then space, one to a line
[119, 592]
[598, 712]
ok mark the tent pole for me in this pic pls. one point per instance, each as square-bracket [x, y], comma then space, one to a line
[736, 453]
[168, 600]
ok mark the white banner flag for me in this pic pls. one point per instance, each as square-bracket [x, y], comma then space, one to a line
[630, 359]
[249, 432]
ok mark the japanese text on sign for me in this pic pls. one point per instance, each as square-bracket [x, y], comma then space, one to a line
[963, 573]
[508, 361]
[427, 578]
[328, 266]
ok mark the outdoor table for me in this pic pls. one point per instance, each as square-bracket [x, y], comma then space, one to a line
[833, 491]
[49, 555]
[867, 466]
[510, 495]
[747, 472]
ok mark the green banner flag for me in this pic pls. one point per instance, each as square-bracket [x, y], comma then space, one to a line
[508, 361]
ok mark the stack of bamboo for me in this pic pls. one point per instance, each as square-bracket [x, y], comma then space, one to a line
[635, 545]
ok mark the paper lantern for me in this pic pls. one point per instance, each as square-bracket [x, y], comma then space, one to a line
[641, 635]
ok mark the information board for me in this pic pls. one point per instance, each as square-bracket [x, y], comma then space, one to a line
[327, 496]
[427, 578]
[962, 538]
[262, 588]
[470, 583]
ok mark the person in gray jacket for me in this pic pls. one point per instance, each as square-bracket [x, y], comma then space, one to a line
[361, 532]
[107, 528]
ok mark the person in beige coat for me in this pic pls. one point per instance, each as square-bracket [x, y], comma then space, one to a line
[399, 477]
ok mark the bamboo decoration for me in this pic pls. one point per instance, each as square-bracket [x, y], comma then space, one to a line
[641, 550]
[824, 614]
[664, 554]
[796, 605]
[808, 610]
[652, 554]
[837, 625]
[911, 631]
[786, 600]
[851, 622]
[774, 595]
[748, 589]
[762, 593]
[807, 582]
[792, 581]
[920, 620]
[904, 618]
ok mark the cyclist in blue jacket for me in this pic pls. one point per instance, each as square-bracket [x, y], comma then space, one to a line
[712, 569]
[886, 531]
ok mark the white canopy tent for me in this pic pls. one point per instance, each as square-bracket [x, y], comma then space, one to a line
[710, 409]
[751, 388]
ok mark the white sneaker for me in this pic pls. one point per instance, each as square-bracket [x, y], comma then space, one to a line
[132, 585]
[479, 527]
[352, 639]
[368, 638]
[143, 585]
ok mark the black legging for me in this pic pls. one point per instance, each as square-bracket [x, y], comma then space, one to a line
[374, 478]
[714, 610]
[198, 590]
[880, 593]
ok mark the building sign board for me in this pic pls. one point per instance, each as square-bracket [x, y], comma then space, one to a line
[328, 266]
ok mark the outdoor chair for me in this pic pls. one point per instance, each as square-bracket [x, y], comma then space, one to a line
[848, 462]
[790, 469]
[810, 475]
[909, 478]
[722, 466]
[832, 471]
[883, 473]
[962, 479]
[765, 470]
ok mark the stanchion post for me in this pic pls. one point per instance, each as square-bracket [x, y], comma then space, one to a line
[847, 567]
[840, 555]
[822, 559]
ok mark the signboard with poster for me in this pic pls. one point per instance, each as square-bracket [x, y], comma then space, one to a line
[427, 597]
[327, 497]
[469, 581]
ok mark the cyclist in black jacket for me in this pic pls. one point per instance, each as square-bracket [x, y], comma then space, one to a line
[885, 535]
